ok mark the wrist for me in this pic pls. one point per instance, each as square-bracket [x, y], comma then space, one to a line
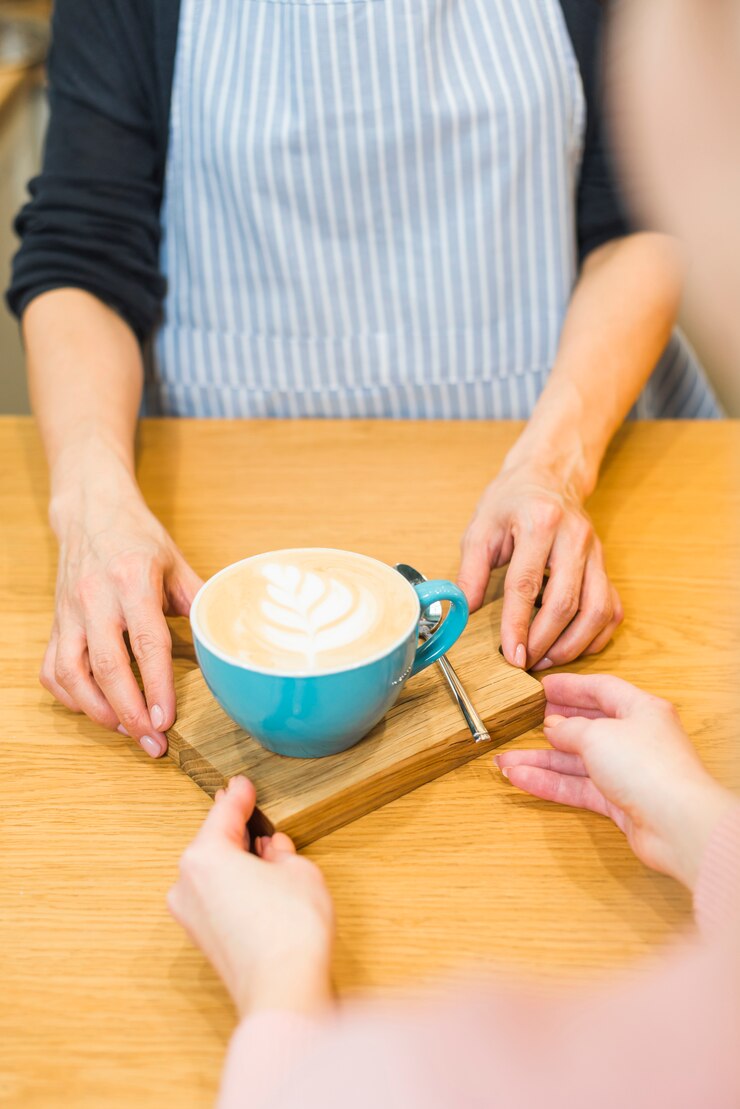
[304, 990]
[90, 474]
[556, 460]
[697, 817]
[555, 444]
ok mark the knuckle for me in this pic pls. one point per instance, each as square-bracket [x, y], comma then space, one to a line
[565, 604]
[148, 644]
[133, 720]
[194, 864]
[666, 708]
[546, 515]
[475, 538]
[88, 590]
[104, 666]
[66, 673]
[526, 584]
[601, 612]
[125, 570]
[581, 533]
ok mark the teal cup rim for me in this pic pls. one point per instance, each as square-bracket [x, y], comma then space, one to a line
[232, 660]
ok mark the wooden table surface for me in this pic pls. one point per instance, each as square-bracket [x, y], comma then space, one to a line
[104, 1001]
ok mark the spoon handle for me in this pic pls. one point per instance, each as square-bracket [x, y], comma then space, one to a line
[477, 727]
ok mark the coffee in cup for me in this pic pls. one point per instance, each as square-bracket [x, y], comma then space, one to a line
[307, 611]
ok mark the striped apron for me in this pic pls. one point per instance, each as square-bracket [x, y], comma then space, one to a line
[369, 211]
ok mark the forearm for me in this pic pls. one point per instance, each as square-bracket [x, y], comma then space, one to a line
[620, 318]
[85, 378]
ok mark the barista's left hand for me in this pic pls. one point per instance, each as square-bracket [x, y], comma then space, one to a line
[531, 519]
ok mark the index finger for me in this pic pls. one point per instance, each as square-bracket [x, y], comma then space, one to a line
[111, 668]
[521, 589]
[601, 693]
[151, 644]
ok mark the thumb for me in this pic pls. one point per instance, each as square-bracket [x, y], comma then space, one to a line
[232, 808]
[572, 734]
[475, 571]
[182, 587]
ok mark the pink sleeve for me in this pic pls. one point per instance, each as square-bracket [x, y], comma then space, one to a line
[264, 1049]
[717, 893]
[666, 1035]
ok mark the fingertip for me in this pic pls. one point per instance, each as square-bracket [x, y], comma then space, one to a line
[240, 785]
[280, 844]
[474, 591]
[553, 720]
[153, 746]
[162, 715]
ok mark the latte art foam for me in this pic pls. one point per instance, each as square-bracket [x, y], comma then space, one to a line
[307, 611]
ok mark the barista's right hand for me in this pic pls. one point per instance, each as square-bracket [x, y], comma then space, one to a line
[119, 571]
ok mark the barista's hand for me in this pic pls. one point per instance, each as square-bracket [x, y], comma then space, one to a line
[623, 753]
[265, 924]
[527, 518]
[119, 571]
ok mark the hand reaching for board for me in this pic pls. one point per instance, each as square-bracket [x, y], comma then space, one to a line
[623, 753]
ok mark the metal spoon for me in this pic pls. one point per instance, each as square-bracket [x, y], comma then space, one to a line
[430, 618]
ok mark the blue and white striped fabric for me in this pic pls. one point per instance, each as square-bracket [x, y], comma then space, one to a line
[369, 211]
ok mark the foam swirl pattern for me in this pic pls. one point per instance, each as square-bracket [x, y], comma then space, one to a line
[307, 614]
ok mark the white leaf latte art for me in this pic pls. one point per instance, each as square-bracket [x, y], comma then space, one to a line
[308, 614]
[307, 610]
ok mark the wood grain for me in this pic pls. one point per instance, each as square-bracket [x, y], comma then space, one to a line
[420, 738]
[105, 1002]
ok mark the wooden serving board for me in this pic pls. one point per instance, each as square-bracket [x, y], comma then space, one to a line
[420, 738]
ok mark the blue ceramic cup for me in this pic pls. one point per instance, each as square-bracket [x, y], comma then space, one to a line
[307, 716]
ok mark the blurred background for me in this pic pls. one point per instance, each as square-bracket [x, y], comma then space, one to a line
[24, 35]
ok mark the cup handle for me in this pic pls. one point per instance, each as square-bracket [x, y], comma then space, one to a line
[451, 628]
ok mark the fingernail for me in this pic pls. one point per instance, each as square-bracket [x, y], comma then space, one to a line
[553, 721]
[543, 664]
[121, 729]
[520, 656]
[505, 771]
[157, 716]
[151, 746]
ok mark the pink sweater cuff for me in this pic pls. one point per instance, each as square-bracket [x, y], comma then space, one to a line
[717, 893]
[263, 1051]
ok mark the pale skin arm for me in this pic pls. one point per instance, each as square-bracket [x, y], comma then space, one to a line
[620, 318]
[118, 569]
